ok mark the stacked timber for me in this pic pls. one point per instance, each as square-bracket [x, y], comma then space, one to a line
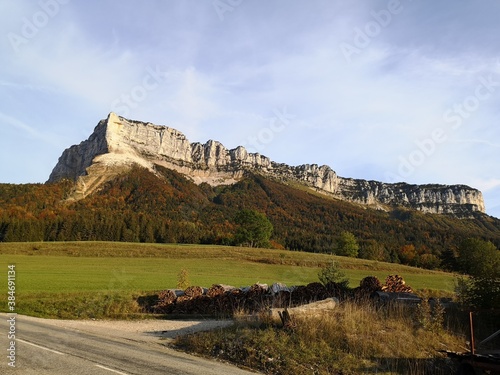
[166, 301]
[194, 291]
[219, 289]
[370, 284]
[225, 300]
[367, 287]
[396, 284]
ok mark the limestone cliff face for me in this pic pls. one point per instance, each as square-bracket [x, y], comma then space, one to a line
[118, 143]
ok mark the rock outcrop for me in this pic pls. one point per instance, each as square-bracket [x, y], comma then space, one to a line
[117, 143]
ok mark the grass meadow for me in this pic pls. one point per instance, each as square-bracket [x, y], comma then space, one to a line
[52, 279]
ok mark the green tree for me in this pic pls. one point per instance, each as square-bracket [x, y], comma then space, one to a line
[347, 245]
[333, 274]
[478, 258]
[481, 261]
[254, 229]
[373, 250]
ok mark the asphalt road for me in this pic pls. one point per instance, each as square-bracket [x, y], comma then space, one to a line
[43, 349]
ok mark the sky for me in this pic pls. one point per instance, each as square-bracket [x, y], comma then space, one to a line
[398, 90]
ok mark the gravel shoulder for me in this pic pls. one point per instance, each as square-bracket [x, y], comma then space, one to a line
[150, 330]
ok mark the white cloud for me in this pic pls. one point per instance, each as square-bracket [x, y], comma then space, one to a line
[28, 130]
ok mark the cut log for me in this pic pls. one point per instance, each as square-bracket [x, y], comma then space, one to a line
[286, 319]
[194, 291]
[370, 284]
[396, 284]
[219, 289]
[258, 289]
[311, 309]
[166, 299]
[316, 292]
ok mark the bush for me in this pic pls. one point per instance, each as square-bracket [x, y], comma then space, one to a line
[183, 279]
[332, 274]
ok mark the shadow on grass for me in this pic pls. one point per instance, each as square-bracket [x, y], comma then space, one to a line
[413, 366]
[147, 303]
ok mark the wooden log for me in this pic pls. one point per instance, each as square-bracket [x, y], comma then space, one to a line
[166, 297]
[370, 284]
[194, 291]
[166, 301]
[219, 289]
[286, 319]
[316, 291]
[258, 289]
[282, 299]
[396, 284]
[311, 309]
[299, 295]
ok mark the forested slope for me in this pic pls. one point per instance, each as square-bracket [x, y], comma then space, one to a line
[143, 207]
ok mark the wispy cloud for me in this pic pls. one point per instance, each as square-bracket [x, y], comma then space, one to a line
[477, 141]
[28, 86]
[28, 130]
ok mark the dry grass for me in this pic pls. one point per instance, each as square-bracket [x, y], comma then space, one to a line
[357, 338]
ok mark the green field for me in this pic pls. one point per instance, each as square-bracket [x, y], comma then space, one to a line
[72, 270]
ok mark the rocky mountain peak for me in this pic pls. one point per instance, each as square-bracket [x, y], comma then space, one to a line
[118, 143]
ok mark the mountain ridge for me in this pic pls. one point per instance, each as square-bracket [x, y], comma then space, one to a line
[118, 143]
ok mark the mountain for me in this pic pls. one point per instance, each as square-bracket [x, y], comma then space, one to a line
[117, 144]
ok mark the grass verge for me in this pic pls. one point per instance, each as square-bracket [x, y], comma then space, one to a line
[354, 339]
[86, 305]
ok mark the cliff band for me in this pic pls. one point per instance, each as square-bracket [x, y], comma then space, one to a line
[118, 143]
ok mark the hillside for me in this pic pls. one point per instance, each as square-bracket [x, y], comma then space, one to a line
[164, 206]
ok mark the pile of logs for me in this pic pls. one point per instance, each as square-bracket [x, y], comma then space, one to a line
[371, 284]
[225, 300]
[396, 284]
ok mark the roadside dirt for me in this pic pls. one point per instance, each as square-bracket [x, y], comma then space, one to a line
[142, 330]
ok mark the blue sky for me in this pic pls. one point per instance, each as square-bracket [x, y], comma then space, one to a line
[398, 90]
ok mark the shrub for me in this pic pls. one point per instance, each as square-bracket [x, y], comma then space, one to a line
[183, 279]
[332, 274]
